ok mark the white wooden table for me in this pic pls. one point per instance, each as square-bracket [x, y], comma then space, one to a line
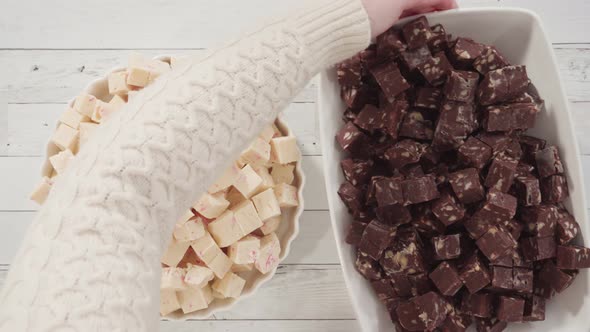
[50, 49]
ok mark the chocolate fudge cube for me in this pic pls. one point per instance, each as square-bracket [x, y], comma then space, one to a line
[534, 309]
[523, 115]
[490, 325]
[554, 189]
[412, 59]
[474, 153]
[420, 284]
[433, 309]
[349, 72]
[390, 79]
[390, 44]
[383, 289]
[504, 261]
[502, 85]
[396, 112]
[496, 242]
[527, 190]
[417, 32]
[538, 248]
[499, 206]
[465, 52]
[388, 191]
[427, 225]
[456, 121]
[490, 59]
[429, 98]
[567, 227]
[371, 118]
[367, 267]
[530, 146]
[497, 118]
[408, 315]
[438, 39]
[356, 97]
[456, 322]
[540, 221]
[501, 174]
[497, 141]
[415, 126]
[514, 227]
[461, 86]
[475, 274]
[401, 284]
[478, 224]
[447, 246]
[356, 171]
[573, 257]
[435, 69]
[548, 162]
[350, 196]
[522, 280]
[502, 278]
[513, 150]
[419, 190]
[447, 209]
[412, 171]
[559, 280]
[351, 139]
[404, 153]
[404, 256]
[446, 278]
[355, 233]
[510, 309]
[466, 185]
[396, 214]
[376, 238]
[480, 304]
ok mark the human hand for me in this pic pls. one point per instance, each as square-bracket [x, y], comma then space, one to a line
[384, 13]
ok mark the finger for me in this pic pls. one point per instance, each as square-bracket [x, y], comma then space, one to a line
[421, 5]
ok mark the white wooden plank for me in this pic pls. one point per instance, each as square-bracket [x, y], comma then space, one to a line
[574, 67]
[257, 326]
[201, 24]
[314, 245]
[296, 292]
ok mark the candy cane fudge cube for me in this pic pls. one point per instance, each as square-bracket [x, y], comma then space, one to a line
[247, 217]
[168, 302]
[225, 229]
[192, 299]
[143, 71]
[258, 153]
[270, 249]
[174, 252]
[230, 286]
[283, 173]
[226, 180]
[220, 265]
[208, 251]
[267, 205]
[245, 251]
[86, 131]
[284, 150]
[84, 104]
[241, 268]
[286, 195]
[61, 160]
[40, 193]
[234, 197]
[117, 102]
[270, 225]
[138, 77]
[211, 206]
[72, 118]
[189, 230]
[65, 137]
[117, 82]
[173, 278]
[198, 276]
[248, 181]
[208, 293]
[267, 134]
[267, 181]
[101, 110]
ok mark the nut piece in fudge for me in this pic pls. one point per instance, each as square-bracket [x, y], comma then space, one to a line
[548, 162]
[447, 209]
[474, 153]
[540, 221]
[446, 278]
[510, 309]
[534, 309]
[447, 246]
[419, 190]
[461, 86]
[404, 153]
[390, 79]
[466, 185]
[405, 254]
[465, 51]
[474, 274]
[567, 227]
[230, 286]
[527, 190]
[351, 139]
[376, 237]
[429, 98]
[538, 248]
[502, 85]
[435, 69]
[367, 267]
[501, 173]
[439, 40]
[573, 257]
[496, 242]
[490, 59]
[554, 189]
[417, 32]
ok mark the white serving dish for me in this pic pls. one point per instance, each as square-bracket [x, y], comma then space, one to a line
[520, 36]
[287, 231]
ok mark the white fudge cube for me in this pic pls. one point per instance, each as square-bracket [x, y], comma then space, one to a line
[143, 71]
[220, 265]
[198, 276]
[208, 294]
[61, 160]
[284, 150]
[230, 286]
[286, 195]
[206, 248]
[192, 299]
[225, 229]
[168, 302]
[226, 180]
[248, 181]
[189, 230]
[211, 206]
[245, 251]
[267, 181]
[72, 118]
[101, 111]
[84, 104]
[138, 77]
[188, 214]
[258, 153]
[267, 133]
[117, 102]
[234, 197]
[86, 131]
[118, 83]
[270, 249]
[241, 268]
[283, 173]
[271, 225]
[42, 190]
[247, 217]
[266, 204]
[65, 137]
[174, 253]
[173, 278]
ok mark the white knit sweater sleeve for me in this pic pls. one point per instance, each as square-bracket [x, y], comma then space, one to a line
[91, 258]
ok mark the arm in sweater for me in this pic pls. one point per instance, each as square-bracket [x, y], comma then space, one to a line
[91, 258]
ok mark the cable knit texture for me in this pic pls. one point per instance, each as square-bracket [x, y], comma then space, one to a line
[91, 258]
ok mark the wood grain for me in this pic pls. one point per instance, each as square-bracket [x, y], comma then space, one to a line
[258, 325]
